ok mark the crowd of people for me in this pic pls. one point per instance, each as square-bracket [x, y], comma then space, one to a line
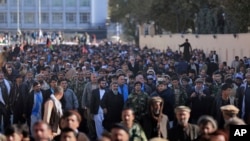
[119, 92]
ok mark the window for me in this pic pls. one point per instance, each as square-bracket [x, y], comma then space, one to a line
[2, 2]
[14, 2]
[84, 3]
[84, 17]
[29, 3]
[70, 3]
[44, 3]
[3, 18]
[45, 18]
[13, 18]
[29, 18]
[57, 3]
[57, 18]
[70, 18]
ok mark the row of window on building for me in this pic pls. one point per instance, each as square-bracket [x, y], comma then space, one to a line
[56, 18]
[53, 3]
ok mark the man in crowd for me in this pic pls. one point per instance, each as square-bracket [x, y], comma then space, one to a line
[145, 87]
[221, 100]
[183, 131]
[5, 97]
[86, 98]
[243, 94]
[138, 101]
[180, 94]
[122, 88]
[42, 131]
[199, 96]
[95, 106]
[136, 132]
[229, 111]
[166, 94]
[77, 84]
[112, 104]
[34, 105]
[119, 132]
[69, 100]
[155, 122]
[187, 50]
[71, 119]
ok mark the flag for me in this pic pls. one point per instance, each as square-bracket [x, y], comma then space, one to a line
[49, 44]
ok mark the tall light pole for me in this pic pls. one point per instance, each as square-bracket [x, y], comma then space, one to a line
[39, 18]
[18, 18]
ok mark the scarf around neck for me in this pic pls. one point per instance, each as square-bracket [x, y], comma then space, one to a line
[58, 104]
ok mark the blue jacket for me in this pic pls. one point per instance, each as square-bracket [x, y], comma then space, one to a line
[69, 100]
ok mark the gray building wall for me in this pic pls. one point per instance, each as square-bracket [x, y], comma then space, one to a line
[55, 14]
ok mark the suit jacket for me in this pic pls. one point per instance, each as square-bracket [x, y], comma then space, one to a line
[9, 101]
[134, 68]
[30, 102]
[241, 92]
[95, 101]
[216, 112]
[197, 68]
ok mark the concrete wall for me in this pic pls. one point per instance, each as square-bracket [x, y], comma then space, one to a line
[226, 45]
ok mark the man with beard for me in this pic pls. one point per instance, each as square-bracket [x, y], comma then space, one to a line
[183, 131]
[112, 104]
[123, 88]
[217, 83]
[95, 106]
[167, 95]
[155, 123]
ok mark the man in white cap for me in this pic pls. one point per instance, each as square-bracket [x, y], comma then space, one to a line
[229, 111]
[183, 131]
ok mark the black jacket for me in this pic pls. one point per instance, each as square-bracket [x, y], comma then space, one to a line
[30, 102]
[95, 101]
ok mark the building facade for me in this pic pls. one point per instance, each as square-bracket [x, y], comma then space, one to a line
[72, 15]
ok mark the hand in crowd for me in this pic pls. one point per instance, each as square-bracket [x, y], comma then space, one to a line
[193, 95]
[105, 111]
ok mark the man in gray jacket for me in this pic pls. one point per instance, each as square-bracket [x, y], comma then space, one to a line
[69, 100]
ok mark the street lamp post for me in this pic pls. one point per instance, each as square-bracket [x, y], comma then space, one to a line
[39, 18]
[18, 18]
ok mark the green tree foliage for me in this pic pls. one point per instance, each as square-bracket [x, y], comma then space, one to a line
[202, 16]
[130, 13]
[238, 15]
